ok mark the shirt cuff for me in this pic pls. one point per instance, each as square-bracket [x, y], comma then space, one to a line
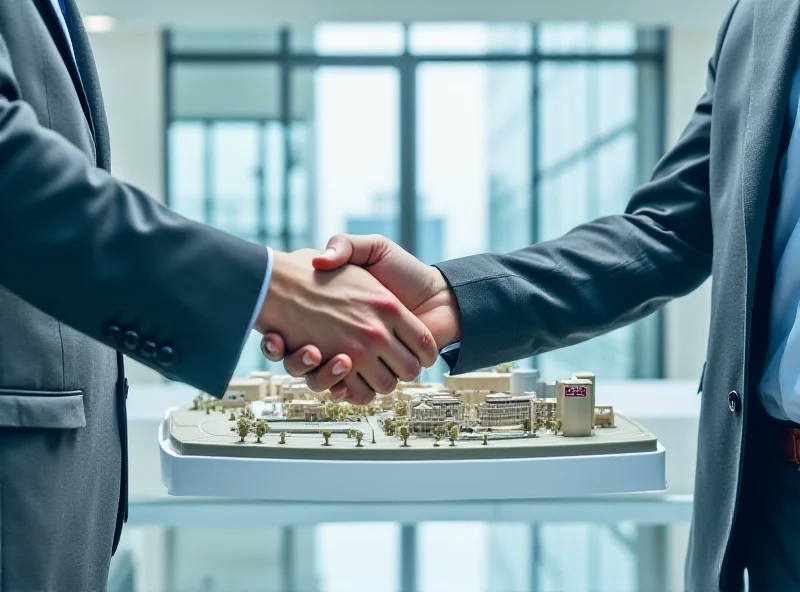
[262, 295]
[451, 347]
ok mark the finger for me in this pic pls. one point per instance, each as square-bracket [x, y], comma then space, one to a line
[273, 347]
[358, 391]
[336, 254]
[416, 337]
[360, 250]
[330, 374]
[378, 376]
[339, 391]
[400, 361]
[302, 361]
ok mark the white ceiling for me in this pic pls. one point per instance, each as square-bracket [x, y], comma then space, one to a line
[227, 13]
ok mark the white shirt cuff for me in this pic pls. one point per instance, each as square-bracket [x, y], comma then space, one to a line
[451, 347]
[262, 295]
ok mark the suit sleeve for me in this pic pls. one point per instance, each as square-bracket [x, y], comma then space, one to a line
[601, 275]
[106, 259]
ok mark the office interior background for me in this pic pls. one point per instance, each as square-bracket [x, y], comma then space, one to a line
[452, 127]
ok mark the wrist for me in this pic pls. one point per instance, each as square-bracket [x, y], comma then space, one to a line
[448, 331]
[273, 305]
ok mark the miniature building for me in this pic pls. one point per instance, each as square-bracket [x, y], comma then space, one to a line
[587, 376]
[429, 412]
[544, 410]
[490, 382]
[278, 382]
[263, 374]
[604, 416]
[576, 409]
[505, 411]
[524, 381]
[303, 410]
[242, 391]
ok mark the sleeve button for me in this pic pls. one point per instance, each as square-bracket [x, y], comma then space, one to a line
[166, 357]
[149, 349]
[113, 334]
[131, 340]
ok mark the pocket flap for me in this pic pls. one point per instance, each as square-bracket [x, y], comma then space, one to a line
[60, 410]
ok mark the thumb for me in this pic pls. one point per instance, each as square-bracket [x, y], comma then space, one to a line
[345, 248]
[337, 253]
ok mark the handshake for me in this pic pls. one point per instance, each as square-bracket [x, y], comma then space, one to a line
[357, 317]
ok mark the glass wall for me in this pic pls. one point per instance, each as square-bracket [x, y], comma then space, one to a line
[449, 138]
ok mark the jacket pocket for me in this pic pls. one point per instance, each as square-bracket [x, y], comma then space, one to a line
[57, 410]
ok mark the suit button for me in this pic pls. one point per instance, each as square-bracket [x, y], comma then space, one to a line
[113, 334]
[166, 357]
[131, 340]
[734, 401]
[149, 349]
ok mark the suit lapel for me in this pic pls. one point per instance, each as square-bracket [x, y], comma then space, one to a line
[57, 32]
[775, 28]
[91, 83]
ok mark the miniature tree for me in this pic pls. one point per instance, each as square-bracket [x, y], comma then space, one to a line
[232, 416]
[283, 438]
[327, 435]
[556, 426]
[198, 401]
[453, 435]
[438, 434]
[485, 439]
[351, 433]
[371, 409]
[404, 434]
[526, 425]
[260, 430]
[388, 426]
[243, 427]
[359, 437]
[400, 409]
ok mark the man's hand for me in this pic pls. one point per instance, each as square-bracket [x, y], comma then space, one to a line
[420, 288]
[346, 311]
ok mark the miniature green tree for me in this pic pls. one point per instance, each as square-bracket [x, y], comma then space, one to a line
[260, 429]
[359, 437]
[232, 416]
[243, 427]
[371, 409]
[485, 439]
[198, 401]
[388, 426]
[400, 409]
[404, 434]
[327, 435]
[526, 425]
[453, 435]
[557, 426]
[283, 438]
[438, 434]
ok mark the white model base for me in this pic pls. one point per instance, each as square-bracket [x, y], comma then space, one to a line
[408, 481]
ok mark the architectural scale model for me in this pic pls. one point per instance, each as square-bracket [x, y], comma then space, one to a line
[498, 413]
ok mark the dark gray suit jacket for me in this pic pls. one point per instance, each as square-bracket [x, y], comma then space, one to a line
[90, 267]
[704, 212]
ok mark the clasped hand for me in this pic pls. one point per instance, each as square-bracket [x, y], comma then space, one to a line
[357, 317]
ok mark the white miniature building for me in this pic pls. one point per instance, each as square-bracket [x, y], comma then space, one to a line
[490, 382]
[242, 391]
[505, 411]
[577, 408]
[303, 410]
[429, 412]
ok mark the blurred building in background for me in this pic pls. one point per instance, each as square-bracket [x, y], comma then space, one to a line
[513, 133]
